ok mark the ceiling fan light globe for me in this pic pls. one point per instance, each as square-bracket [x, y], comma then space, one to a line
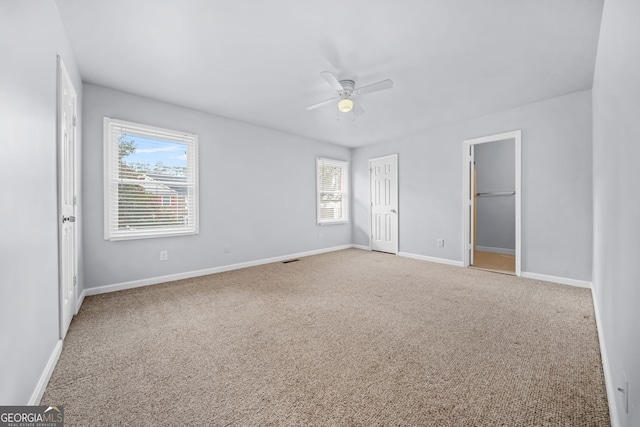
[345, 105]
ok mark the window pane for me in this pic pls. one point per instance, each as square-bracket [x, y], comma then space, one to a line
[154, 158]
[155, 192]
[152, 176]
[331, 206]
[331, 178]
[333, 196]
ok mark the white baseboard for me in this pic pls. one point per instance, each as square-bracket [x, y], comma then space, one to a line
[80, 300]
[608, 380]
[432, 259]
[496, 250]
[363, 247]
[189, 274]
[37, 394]
[555, 279]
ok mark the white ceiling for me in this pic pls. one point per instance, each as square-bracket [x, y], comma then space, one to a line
[260, 61]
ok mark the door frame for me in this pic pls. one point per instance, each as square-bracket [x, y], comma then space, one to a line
[468, 202]
[397, 222]
[63, 74]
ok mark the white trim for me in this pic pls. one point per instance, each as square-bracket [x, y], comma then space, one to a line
[496, 250]
[189, 274]
[345, 193]
[80, 300]
[517, 136]
[384, 157]
[106, 166]
[606, 368]
[111, 179]
[431, 259]
[37, 394]
[556, 279]
[536, 276]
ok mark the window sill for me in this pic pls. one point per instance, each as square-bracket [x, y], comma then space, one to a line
[149, 236]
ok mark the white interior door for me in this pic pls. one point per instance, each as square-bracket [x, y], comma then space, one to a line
[384, 203]
[471, 200]
[67, 197]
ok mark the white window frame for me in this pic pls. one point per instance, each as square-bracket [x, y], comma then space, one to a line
[111, 180]
[346, 191]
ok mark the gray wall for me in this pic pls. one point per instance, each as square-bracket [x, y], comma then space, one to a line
[556, 185]
[257, 194]
[496, 215]
[616, 201]
[31, 35]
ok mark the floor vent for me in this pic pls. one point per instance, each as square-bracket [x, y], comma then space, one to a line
[291, 260]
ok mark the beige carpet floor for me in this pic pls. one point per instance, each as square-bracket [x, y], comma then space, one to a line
[349, 338]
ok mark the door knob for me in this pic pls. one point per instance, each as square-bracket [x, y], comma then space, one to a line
[394, 211]
[70, 218]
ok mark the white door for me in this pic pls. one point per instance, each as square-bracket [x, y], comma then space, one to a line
[471, 200]
[384, 203]
[67, 197]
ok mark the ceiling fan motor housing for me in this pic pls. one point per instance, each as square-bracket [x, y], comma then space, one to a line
[348, 87]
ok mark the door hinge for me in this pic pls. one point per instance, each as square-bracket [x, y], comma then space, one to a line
[74, 121]
[75, 200]
[75, 281]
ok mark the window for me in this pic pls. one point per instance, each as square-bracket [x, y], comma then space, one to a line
[150, 181]
[333, 191]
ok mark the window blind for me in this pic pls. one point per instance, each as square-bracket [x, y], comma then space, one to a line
[332, 191]
[150, 181]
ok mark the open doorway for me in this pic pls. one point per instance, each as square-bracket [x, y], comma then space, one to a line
[492, 203]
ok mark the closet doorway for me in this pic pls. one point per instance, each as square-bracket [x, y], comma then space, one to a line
[492, 203]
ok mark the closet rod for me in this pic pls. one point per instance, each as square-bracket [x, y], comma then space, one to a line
[497, 193]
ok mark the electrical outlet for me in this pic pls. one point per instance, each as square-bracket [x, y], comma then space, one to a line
[164, 255]
[319, 236]
[440, 243]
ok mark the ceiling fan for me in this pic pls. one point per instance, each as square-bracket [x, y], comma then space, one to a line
[347, 91]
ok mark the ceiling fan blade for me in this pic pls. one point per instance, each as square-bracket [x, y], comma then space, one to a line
[321, 104]
[332, 80]
[357, 109]
[374, 87]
